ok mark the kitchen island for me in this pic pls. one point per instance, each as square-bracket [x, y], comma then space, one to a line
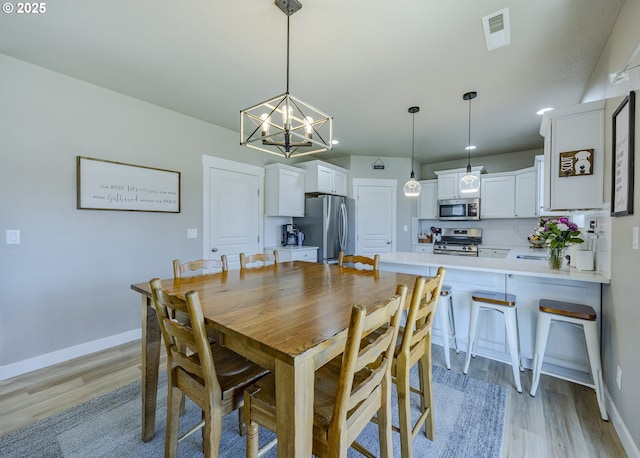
[530, 280]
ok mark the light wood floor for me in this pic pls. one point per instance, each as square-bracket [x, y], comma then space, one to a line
[561, 421]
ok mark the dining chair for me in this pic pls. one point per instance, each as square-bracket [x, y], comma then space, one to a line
[206, 264]
[359, 262]
[212, 376]
[349, 390]
[264, 258]
[414, 347]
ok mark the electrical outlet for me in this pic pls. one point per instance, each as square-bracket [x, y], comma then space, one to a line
[634, 238]
[619, 378]
[192, 233]
[405, 228]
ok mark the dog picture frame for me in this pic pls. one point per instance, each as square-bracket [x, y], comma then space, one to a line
[576, 163]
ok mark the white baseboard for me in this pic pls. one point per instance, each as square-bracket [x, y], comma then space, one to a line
[59, 356]
[623, 433]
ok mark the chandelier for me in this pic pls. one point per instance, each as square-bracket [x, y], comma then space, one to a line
[285, 125]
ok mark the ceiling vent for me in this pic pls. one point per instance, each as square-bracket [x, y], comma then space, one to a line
[497, 29]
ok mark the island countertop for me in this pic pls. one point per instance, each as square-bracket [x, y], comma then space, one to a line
[509, 265]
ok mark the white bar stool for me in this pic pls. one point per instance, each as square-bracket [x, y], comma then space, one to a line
[447, 324]
[580, 315]
[505, 304]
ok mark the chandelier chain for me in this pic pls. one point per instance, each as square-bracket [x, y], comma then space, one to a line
[288, 34]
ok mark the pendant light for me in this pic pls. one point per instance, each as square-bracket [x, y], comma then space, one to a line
[412, 188]
[469, 183]
[285, 125]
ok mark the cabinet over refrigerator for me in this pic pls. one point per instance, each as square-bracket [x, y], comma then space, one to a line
[328, 224]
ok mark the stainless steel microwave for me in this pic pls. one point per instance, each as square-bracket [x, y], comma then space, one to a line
[459, 209]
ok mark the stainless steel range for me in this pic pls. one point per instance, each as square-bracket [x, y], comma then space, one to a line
[459, 242]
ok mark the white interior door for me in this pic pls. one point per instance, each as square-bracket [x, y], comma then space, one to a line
[375, 216]
[233, 208]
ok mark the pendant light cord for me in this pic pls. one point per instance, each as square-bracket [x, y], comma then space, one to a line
[469, 141]
[413, 140]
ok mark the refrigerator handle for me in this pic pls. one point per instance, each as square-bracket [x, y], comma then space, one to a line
[327, 217]
[343, 226]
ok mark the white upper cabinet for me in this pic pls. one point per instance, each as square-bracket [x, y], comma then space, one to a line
[574, 157]
[497, 196]
[284, 195]
[428, 200]
[526, 192]
[448, 183]
[325, 178]
[541, 190]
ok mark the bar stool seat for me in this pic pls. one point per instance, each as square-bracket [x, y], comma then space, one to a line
[447, 324]
[505, 304]
[583, 316]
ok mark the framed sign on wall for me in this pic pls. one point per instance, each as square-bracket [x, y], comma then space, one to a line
[576, 163]
[622, 153]
[108, 185]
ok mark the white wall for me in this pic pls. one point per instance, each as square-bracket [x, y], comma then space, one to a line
[620, 303]
[68, 282]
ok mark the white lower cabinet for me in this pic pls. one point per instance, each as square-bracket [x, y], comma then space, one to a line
[286, 254]
[500, 253]
[423, 248]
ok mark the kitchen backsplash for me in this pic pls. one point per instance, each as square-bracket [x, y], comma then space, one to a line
[495, 232]
[601, 237]
[273, 229]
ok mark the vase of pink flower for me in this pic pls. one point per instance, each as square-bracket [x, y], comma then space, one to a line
[558, 234]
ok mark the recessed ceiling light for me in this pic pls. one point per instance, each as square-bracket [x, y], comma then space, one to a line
[470, 147]
[544, 110]
[334, 142]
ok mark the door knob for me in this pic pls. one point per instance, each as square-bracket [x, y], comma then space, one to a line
[388, 243]
[214, 250]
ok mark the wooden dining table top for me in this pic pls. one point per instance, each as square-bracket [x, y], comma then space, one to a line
[288, 309]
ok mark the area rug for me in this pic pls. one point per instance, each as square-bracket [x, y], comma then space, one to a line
[469, 415]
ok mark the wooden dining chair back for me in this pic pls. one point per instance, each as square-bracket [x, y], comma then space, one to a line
[359, 262]
[349, 391]
[210, 265]
[213, 377]
[263, 258]
[414, 347]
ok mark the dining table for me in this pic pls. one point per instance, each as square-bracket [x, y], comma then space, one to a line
[290, 318]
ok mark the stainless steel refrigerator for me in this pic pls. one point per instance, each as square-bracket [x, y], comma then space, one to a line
[328, 224]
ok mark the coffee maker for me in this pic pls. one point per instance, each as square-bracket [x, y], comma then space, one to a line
[289, 234]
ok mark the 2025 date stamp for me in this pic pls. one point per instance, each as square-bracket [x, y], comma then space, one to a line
[24, 8]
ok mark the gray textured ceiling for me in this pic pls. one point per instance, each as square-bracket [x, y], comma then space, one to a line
[362, 61]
